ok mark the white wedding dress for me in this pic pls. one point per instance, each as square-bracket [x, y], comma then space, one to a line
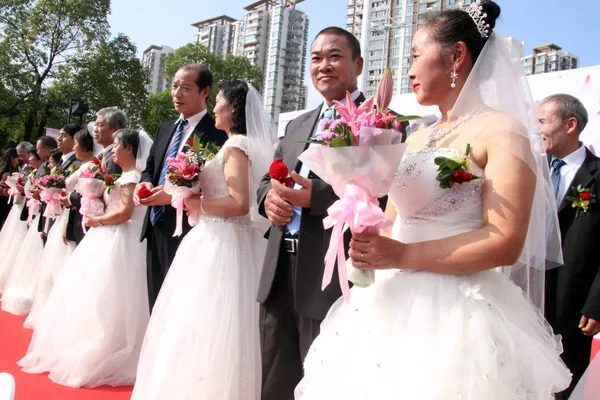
[55, 255]
[21, 286]
[426, 336]
[203, 337]
[90, 332]
[11, 237]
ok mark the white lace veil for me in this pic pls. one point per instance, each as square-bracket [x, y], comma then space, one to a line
[498, 82]
[261, 136]
[143, 150]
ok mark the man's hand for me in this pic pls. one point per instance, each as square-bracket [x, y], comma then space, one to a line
[35, 193]
[278, 210]
[64, 200]
[302, 197]
[589, 326]
[158, 198]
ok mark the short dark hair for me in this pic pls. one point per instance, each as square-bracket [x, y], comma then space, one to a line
[128, 137]
[235, 93]
[48, 141]
[71, 129]
[204, 78]
[8, 155]
[456, 25]
[35, 154]
[352, 40]
[84, 139]
[568, 106]
[56, 155]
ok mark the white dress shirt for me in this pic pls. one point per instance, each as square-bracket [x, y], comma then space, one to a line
[573, 161]
[65, 157]
[189, 128]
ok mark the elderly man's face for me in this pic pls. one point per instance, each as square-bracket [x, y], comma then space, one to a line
[332, 68]
[23, 155]
[103, 132]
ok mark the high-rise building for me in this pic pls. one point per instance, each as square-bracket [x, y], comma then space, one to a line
[216, 34]
[153, 58]
[385, 29]
[273, 35]
[549, 58]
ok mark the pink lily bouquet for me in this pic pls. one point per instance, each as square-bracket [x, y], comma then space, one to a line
[360, 153]
[51, 186]
[90, 185]
[183, 176]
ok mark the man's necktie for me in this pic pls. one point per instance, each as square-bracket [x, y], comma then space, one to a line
[556, 165]
[156, 212]
[294, 225]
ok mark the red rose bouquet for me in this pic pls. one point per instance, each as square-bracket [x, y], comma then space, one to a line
[51, 186]
[13, 181]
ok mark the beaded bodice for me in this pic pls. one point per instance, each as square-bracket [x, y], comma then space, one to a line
[426, 211]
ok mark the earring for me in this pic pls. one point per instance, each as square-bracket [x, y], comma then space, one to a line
[453, 75]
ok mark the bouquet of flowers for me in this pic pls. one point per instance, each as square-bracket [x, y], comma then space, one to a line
[12, 182]
[51, 187]
[91, 186]
[183, 176]
[359, 157]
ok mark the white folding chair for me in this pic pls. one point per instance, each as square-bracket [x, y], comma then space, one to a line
[7, 386]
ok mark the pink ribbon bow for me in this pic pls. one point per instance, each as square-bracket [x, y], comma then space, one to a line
[177, 203]
[12, 192]
[33, 208]
[89, 205]
[53, 208]
[355, 210]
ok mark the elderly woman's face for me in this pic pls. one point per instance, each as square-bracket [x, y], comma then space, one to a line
[223, 113]
[121, 153]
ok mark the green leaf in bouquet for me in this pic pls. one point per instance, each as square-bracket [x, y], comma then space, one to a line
[405, 118]
[339, 142]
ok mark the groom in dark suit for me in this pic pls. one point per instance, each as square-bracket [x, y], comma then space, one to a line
[292, 302]
[573, 290]
[192, 84]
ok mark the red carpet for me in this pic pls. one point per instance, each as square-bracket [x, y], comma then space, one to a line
[14, 340]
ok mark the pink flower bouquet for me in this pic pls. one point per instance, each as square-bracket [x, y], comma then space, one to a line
[90, 185]
[12, 182]
[359, 157]
[51, 186]
[182, 182]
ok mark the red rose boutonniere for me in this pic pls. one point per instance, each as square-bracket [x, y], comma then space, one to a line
[278, 170]
[109, 181]
[581, 199]
[454, 170]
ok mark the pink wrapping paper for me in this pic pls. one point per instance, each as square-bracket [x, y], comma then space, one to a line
[178, 194]
[91, 191]
[359, 175]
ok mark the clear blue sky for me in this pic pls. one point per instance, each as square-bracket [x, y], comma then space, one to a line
[571, 24]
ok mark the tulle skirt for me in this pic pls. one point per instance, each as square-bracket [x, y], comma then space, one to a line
[55, 255]
[203, 338]
[19, 293]
[425, 336]
[90, 332]
[11, 238]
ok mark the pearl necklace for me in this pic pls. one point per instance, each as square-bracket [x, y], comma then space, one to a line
[435, 135]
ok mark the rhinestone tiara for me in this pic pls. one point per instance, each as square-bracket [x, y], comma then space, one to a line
[476, 13]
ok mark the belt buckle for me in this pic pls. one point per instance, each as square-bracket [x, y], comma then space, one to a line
[293, 243]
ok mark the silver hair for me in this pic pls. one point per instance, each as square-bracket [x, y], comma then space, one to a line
[114, 117]
[25, 146]
[568, 106]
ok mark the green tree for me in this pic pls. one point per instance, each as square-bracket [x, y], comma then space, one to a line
[37, 36]
[109, 75]
[160, 110]
[223, 69]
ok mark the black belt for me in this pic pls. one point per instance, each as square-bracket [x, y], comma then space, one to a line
[290, 245]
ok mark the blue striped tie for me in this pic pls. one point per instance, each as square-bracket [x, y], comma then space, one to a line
[156, 212]
[556, 165]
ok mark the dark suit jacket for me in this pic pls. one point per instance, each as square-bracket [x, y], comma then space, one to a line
[313, 241]
[206, 132]
[74, 231]
[573, 290]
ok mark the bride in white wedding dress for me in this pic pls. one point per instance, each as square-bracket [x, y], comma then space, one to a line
[90, 331]
[444, 323]
[203, 339]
